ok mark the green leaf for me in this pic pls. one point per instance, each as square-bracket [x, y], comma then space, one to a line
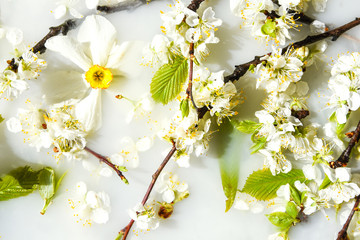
[251, 68]
[48, 186]
[184, 107]
[167, 81]
[229, 166]
[1, 119]
[259, 143]
[246, 126]
[263, 185]
[295, 195]
[281, 219]
[269, 28]
[325, 183]
[19, 182]
[291, 210]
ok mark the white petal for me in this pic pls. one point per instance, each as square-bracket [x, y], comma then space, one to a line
[168, 196]
[91, 4]
[75, 13]
[64, 85]
[14, 125]
[81, 188]
[143, 144]
[117, 159]
[60, 11]
[14, 36]
[99, 215]
[100, 33]
[105, 172]
[88, 111]
[91, 199]
[343, 174]
[117, 54]
[70, 49]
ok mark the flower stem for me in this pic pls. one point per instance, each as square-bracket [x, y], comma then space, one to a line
[342, 235]
[241, 69]
[107, 162]
[125, 230]
[344, 158]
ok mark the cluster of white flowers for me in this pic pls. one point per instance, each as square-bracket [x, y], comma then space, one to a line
[56, 127]
[183, 26]
[13, 78]
[171, 188]
[273, 21]
[89, 206]
[189, 134]
[345, 86]
[211, 91]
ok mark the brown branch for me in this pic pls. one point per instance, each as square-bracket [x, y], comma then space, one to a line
[344, 158]
[300, 114]
[107, 162]
[191, 71]
[194, 5]
[121, 6]
[240, 70]
[342, 235]
[125, 230]
[63, 28]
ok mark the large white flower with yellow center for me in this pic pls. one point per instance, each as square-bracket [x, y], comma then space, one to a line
[100, 58]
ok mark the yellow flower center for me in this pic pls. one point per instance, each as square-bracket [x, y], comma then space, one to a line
[99, 77]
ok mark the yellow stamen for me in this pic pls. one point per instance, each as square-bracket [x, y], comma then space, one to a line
[99, 77]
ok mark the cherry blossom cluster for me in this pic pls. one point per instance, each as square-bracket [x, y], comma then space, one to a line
[55, 127]
[345, 86]
[273, 20]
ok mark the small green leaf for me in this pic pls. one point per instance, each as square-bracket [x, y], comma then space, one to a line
[269, 28]
[259, 143]
[184, 107]
[47, 186]
[263, 185]
[229, 167]
[332, 118]
[246, 126]
[325, 183]
[295, 195]
[19, 182]
[167, 81]
[1, 119]
[122, 168]
[119, 236]
[291, 209]
[281, 219]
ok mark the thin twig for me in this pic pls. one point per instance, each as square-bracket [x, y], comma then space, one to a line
[121, 6]
[342, 235]
[107, 162]
[240, 70]
[298, 16]
[344, 158]
[125, 231]
[191, 71]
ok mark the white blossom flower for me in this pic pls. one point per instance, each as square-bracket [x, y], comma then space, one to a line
[276, 161]
[64, 6]
[30, 65]
[90, 206]
[170, 187]
[144, 217]
[14, 36]
[158, 52]
[53, 127]
[246, 202]
[341, 190]
[99, 56]
[10, 86]
[279, 71]
[129, 157]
